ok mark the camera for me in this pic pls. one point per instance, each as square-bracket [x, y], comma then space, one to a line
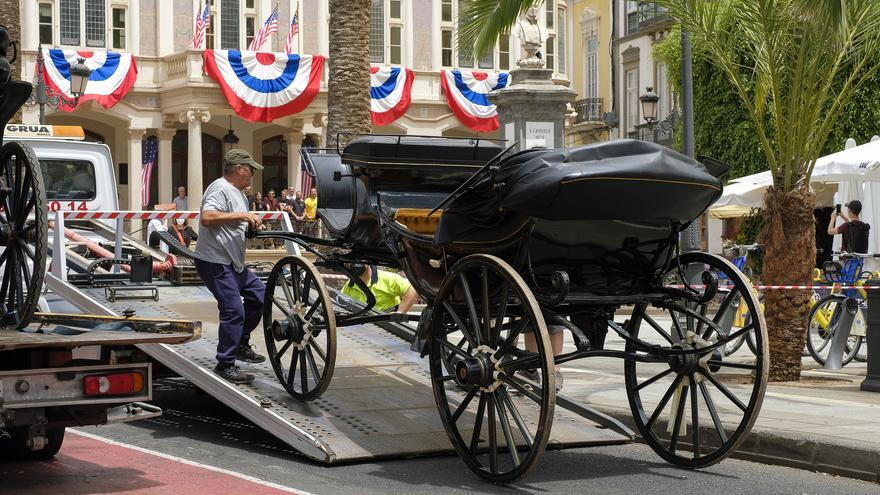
[837, 207]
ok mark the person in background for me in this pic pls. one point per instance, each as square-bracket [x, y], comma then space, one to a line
[220, 263]
[312, 213]
[854, 231]
[298, 212]
[185, 234]
[181, 201]
[272, 204]
[249, 194]
[258, 205]
[392, 292]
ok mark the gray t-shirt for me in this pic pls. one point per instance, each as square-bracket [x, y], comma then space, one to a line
[182, 204]
[224, 244]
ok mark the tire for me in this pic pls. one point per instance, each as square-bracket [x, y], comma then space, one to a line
[15, 447]
[820, 330]
[24, 243]
[673, 365]
[298, 316]
[481, 308]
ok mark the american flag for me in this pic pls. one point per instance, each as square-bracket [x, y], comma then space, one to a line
[269, 27]
[203, 20]
[294, 29]
[150, 152]
[306, 182]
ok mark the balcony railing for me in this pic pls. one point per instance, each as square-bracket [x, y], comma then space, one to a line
[589, 110]
[661, 135]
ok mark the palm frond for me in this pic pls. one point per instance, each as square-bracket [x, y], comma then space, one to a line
[482, 22]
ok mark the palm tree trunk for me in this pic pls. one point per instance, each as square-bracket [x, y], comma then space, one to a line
[348, 87]
[789, 256]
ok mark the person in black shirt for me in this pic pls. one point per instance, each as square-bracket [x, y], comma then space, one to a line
[854, 232]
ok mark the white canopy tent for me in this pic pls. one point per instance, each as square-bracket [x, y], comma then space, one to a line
[853, 173]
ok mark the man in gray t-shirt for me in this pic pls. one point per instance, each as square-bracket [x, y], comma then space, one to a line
[220, 249]
[181, 201]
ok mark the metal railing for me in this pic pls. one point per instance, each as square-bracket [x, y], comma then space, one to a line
[589, 110]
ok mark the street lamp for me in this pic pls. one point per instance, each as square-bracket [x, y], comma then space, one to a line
[230, 138]
[649, 101]
[43, 95]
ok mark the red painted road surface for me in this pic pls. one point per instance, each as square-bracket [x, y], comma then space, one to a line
[89, 466]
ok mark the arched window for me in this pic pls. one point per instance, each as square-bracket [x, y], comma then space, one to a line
[275, 164]
[212, 160]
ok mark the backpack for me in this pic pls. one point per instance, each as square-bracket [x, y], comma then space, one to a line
[857, 236]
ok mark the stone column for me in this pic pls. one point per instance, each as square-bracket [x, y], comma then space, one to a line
[166, 188]
[294, 138]
[194, 185]
[135, 165]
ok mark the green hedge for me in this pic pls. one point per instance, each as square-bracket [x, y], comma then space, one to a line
[722, 127]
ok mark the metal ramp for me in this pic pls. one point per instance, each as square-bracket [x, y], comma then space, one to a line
[379, 405]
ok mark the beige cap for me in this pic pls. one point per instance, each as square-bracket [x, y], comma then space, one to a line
[241, 157]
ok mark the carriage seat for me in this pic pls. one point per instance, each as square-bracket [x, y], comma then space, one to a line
[417, 219]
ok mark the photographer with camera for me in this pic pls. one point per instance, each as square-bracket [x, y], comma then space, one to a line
[853, 230]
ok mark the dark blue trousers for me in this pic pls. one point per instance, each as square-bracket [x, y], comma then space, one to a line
[237, 318]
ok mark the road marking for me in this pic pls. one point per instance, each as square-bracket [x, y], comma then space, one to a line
[169, 457]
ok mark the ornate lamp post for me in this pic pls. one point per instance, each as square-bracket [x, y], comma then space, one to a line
[43, 95]
[649, 101]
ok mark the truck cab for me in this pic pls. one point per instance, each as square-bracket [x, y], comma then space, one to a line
[77, 175]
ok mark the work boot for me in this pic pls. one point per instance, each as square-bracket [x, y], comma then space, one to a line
[247, 354]
[233, 373]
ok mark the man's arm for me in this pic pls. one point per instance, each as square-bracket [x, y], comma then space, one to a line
[832, 227]
[409, 298]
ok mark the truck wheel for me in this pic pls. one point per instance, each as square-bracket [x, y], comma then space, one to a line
[15, 448]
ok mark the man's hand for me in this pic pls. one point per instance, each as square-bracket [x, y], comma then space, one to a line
[253, 220]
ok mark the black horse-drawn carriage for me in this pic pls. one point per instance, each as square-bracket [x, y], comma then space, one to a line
[507, 247]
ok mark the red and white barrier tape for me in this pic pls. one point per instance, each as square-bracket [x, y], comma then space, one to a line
[150, 215]
[789, 287]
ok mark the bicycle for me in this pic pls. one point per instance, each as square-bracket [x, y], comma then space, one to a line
[740, 317]
[828, 313]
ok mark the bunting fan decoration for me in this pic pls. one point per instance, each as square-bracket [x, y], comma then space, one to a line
[467, 95]
[262, 87]
[390, 93]
[113, 74]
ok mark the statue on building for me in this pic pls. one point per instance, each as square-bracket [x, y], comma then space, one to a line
[531, 39]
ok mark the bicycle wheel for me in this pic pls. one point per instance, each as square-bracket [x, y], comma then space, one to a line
[823, 321]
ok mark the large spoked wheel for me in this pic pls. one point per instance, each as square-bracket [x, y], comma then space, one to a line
[823, 323]
[23, 234]
[300, 328]
[693, 407]
[481, 309]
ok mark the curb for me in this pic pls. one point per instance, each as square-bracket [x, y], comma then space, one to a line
[807, 452]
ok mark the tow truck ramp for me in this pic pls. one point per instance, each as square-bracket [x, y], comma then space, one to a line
[380, 402]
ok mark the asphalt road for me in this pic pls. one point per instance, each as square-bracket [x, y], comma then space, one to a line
[198, 428]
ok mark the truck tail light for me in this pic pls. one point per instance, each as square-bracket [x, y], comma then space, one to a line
[127, 383]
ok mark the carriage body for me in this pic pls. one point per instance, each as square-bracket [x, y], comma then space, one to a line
[502, 246]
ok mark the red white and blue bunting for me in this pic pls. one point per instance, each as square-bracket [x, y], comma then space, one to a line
[113, 74]
[466, 93]
[390, 93]
[262, 87]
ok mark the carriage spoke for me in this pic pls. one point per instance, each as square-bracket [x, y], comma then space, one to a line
[282, 307]
[295, 280]
[312, 364]
[312, 310]
[284, 348]
[493, 437]
[695, 417]
[512, 337]
[484, 285]
[457, 319]
[505, 429]
[742, 366]
[314, 345]
[517, 418]
[464, 404]
[679, 415]
[291, 373]
[663, 402]
[307, 287]
[710, 404]
[653, 379]
[724, 390]
[724, 306]
[657, 327]
[499, 317]
[303, 372]
[676, 324]
[23, 196]
[455, 350]
[472, 309]
[478, 425]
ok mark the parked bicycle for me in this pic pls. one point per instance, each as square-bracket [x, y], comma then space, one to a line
[739, 316]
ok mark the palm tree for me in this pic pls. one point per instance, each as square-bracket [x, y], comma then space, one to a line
[348, 97]
[795, 64]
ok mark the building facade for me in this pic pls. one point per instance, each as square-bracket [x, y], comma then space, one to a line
[185, 110]
[591, 71]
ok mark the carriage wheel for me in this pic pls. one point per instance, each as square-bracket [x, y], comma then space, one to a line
[480, 310]
[300, 328]
[23, 234]
[694, 410]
